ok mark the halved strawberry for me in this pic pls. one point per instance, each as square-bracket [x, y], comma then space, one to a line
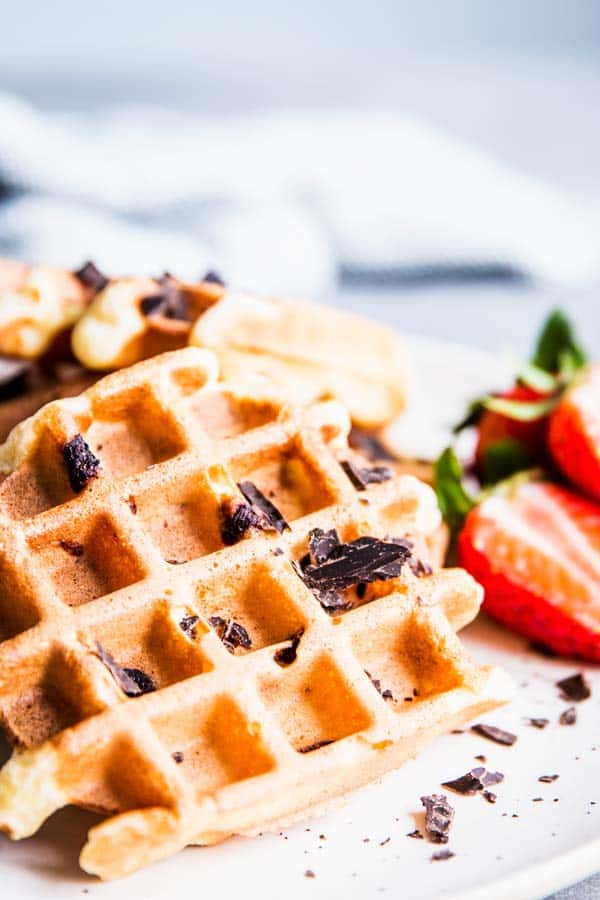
[574, 432]
[535, 548]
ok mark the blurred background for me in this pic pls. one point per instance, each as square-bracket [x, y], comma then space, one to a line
[436, 165]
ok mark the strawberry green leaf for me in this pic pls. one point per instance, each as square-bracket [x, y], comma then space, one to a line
[555, 341]
[454, 501]
[474, 412]
[522, 411]
[504, 458]
[537, 379]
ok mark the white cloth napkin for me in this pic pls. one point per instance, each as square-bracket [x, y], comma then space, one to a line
[283, 202]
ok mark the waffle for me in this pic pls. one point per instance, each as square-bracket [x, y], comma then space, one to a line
[126, 565]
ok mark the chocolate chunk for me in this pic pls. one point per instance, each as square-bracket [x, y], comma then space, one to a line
[212, 277]
[123, 677]
[574, 688]
[495, 734]
[569, 716]
[538, 723]
[467, 784]
[548, 779]
[441, 855]
[489, 796]
[322, 544]
[438, 817]
[316, 746]
[361, 477]
[231, 633]
[188, 625]
[262, 504]
[369, 444]
[143, 681]
[81, 463]
[171, 302]
[365, 559]
[177, 756]
[73, 548]
[91, 276]
[287, 655]
[415, 834]
[237, 519]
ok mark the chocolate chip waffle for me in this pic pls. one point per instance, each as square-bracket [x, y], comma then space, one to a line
[208, 626]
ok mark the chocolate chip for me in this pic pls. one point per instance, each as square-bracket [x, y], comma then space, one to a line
[574, 688]
[213, 278]
[316, 746]
[285, 656]
[73, 548]
[143, 681]
[177, 756]
[441, 855]
[538, 723]
[232, 634]
[91, 276]
[188, 624]
[548, 779]
[438, 817]
[415, 834]
[569, 716]
[260, 503]
[369, 444]
[361, 477]
[498, 735]
[81, 463]
[171, 302]
[123, 677]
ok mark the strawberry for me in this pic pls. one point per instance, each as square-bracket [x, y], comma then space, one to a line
[535, 548]
[494, 427]
[574, 432]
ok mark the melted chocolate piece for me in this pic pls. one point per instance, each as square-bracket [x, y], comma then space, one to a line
[263, 505]
[188, 625]
[285, 656]
[574, 688]
[238, 518]
[73, 548]
[143, 681]
[232, 634]
[369, 444]
[122, 677]
[569, 716]
[438, 817]
[498, 735]
[91, 277]
[361, 477]
[81, 463]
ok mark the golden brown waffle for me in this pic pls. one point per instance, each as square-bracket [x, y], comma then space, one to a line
[228, 742]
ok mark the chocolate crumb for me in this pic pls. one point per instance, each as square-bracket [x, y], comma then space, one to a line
[176, 562]
[569, 716]
[81, 463]
[386, 694]
[177, 756]
[574, 688]
[490, 796]
[538, 723]
[316, 746]
[415, 834]
[263, 505]
[309, 874]
[188, 625]
[438, 817]
[285, 656]
[232, 634]
[132, 504]
[386, 841]
[481, 757]
[498, 735]
[212, 277]
[277, 551]
[441, 855]
[370, 445]
[361, 477]
[73, 548]
[548, 779]
[91, 276]
[537, 800]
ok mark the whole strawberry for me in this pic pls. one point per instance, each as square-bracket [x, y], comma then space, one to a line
[574, 432]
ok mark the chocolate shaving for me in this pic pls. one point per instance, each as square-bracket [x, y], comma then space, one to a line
[188, 625]
[144, 682]
[177, 756]
[81, 463]
[91, 276]
[123, 678]
[574, 688]
[369, 444]
[438, 817]
[473, 781]
[441, 855]
[212, 277]
[361, 477]
[538, 723]
[498, 735]
[262, 504]
[569, 716]
[316, 746]
[73, 548]
[237, 519]
[232, 634]
[415, 834]
[171, 302]
[285, 656]
[365, 559]
[548, 779]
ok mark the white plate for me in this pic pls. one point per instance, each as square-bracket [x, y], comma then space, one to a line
[552, 843]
